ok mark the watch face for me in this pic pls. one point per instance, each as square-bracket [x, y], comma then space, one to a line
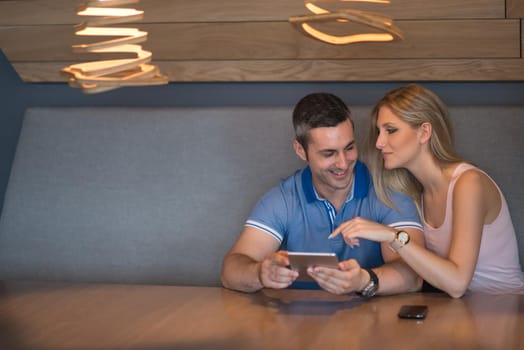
[403, 237]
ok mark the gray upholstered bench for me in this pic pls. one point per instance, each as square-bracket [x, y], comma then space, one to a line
[151, 195]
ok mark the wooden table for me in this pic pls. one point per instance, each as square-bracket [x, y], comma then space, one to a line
[59, 316]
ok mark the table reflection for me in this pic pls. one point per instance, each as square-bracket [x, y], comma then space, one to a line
[70, 316]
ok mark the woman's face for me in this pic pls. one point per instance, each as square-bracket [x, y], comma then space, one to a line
[399, 143]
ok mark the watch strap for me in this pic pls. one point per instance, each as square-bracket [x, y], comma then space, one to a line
[371, 288]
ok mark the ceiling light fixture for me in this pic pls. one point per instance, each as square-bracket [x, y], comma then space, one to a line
[384, 24]
[104, 75]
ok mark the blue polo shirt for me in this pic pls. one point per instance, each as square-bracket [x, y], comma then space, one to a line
[294, 215]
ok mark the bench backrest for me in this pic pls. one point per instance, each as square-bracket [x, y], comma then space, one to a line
[153, 195]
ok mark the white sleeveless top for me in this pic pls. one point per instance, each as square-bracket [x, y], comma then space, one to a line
[498, 268]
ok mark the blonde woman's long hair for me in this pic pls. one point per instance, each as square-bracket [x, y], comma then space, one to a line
[415, 105]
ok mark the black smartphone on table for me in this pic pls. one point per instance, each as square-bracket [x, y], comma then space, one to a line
[418, 312]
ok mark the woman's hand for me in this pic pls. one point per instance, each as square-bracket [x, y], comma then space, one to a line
[358, 227]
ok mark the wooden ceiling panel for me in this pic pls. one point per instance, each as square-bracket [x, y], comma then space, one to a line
[276, 40]
[311, 70]
[31, 12]
[251, 40]
[515, 8]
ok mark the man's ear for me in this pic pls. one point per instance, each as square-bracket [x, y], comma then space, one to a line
[299, 150]
[426, 129]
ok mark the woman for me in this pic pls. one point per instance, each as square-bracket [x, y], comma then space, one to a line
[470, 238]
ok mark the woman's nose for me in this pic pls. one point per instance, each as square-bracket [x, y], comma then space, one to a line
[381, 141]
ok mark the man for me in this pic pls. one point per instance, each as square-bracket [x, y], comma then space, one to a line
[301, 213]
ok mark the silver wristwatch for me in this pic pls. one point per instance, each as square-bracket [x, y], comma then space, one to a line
[371, 288]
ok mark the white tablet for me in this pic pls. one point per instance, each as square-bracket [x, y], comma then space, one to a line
[300, 261]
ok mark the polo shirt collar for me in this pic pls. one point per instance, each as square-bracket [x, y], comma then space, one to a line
[360, 184]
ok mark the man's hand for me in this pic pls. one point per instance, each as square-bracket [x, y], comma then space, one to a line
[347, 279]
[274, 272]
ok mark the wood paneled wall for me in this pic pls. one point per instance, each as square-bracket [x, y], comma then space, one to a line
[251, 40]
